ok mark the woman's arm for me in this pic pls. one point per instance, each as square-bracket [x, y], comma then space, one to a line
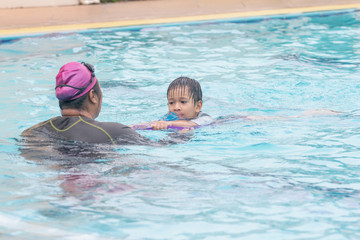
[158, 125]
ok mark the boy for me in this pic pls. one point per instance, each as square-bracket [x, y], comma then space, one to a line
[184, 102]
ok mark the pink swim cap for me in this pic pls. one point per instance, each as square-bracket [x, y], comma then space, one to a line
[74, 80]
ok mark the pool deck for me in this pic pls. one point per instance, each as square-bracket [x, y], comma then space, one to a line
[23, 21]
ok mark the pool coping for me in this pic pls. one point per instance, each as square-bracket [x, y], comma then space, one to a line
[137, 24]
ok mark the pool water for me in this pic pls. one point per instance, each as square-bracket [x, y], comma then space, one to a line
[291, 178]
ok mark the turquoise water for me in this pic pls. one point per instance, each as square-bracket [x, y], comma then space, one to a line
[293, 178]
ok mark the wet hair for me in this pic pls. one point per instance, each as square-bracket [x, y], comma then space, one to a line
[78, 103]
[184, 83]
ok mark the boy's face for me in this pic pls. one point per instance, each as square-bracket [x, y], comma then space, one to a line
[180, 102]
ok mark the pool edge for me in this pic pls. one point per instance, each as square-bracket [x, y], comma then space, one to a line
[13, 34]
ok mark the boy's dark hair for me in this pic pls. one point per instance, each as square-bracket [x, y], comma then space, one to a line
[79, 102]
[193, 86]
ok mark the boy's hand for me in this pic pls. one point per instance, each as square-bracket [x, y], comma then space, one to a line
[160, 125]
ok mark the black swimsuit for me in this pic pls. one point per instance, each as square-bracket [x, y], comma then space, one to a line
[85, 130]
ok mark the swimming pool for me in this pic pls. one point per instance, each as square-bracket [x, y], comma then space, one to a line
[278, 179]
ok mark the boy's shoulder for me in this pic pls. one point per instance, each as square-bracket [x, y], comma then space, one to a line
[203, 119]
[202, 114]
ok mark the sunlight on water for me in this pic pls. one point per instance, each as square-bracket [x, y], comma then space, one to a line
[292, 178]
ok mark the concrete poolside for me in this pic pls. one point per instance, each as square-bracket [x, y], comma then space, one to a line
[19, 21]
